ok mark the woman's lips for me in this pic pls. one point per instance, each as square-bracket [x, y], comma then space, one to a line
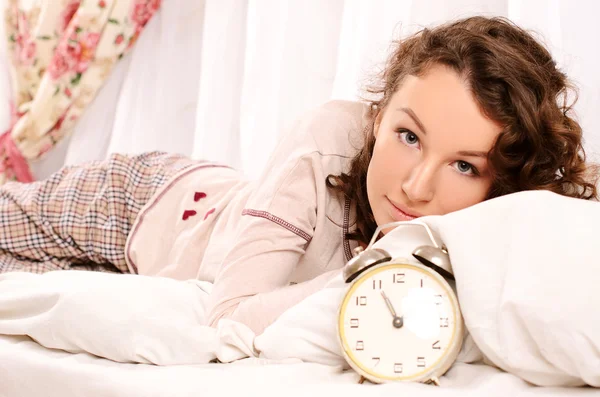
[399, 214]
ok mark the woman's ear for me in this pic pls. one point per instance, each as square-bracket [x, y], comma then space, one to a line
[377, 123]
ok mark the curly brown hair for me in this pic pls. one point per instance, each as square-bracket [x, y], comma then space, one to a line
[516, 83]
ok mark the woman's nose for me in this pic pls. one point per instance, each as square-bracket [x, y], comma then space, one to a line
[419, 186]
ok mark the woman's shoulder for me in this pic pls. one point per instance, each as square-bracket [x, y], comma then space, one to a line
[332, 130]
[337, 127]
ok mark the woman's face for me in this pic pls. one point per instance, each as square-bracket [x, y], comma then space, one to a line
[430, 149]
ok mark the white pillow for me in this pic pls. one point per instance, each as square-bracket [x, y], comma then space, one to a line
[125, 318]
[527, 280]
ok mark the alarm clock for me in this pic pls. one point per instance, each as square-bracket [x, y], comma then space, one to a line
[400, 320]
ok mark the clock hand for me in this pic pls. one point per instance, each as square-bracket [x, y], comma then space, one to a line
[388, 303]
[397, 322]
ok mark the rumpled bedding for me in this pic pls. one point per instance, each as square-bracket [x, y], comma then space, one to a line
[526, 273]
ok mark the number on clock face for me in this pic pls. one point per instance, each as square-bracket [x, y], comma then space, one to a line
[378, 344]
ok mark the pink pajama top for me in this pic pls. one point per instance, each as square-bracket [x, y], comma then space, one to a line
[265, 244]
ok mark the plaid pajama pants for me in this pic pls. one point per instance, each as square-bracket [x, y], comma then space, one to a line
[80, 217]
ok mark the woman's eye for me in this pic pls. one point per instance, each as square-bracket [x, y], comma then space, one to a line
[409, 138]
[465, 168]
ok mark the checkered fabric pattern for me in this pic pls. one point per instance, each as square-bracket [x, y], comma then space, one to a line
[79, 218]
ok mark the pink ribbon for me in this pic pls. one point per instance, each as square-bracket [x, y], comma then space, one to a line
[14, 159]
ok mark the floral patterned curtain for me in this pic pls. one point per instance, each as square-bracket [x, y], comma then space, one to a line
[61, 52]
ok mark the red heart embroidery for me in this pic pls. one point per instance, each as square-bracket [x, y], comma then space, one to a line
[188, 213]
[210, 211]
[199, 195]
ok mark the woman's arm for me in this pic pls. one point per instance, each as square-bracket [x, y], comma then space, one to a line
[279, 220]
[273, 233]
[261, 310]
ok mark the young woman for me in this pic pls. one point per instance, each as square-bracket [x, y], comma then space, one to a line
[464, 112]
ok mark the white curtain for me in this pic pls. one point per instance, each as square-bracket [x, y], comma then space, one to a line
[224, 79]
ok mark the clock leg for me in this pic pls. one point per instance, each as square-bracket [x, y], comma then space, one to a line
[434, 381]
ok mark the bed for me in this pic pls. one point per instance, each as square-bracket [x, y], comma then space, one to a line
[28, 369]
[527, 294]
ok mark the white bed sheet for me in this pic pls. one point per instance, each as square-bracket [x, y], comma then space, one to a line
[30, 370]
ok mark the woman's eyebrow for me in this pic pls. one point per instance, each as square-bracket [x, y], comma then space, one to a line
[472, 153]
[466, 153]
[413, 116]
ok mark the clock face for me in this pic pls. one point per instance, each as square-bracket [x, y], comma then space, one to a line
[398, 322]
